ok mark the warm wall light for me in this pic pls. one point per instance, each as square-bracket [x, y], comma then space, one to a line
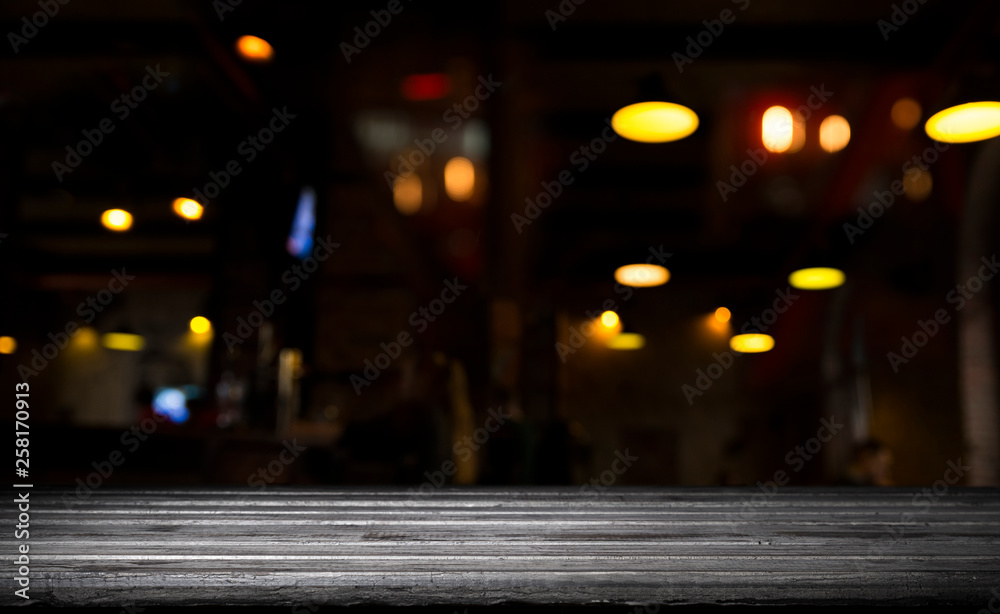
[642, 275]
[85, 339]
[254, 48]
[607, 325]
[965, 123]
[905, 113]
[752, 343]
[776, 129]
[118, 220]
[123, 341]
[8, 345]
[188, 209]
[200, 325]
[626, 341]
[816, 278]
[459, 179]
[834, 133]
[408, 194]
[722, 314]
[917, 184]
[654, 122]
[798, 133]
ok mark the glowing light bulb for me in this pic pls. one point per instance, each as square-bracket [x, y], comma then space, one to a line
[777, 129]
[118, 220]
[188, 209]
[200, 325]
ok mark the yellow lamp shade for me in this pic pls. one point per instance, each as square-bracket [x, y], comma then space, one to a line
[654, 122]
[965, 123]
[752, 343]
[816, 278]
[642, 275]
[627, 341]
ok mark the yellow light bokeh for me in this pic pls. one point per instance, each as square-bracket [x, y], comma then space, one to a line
[654, 122]
[965, 123]
[751, 343]
[85, 339]
[200, 325]
[123, 341]
[609, 319]
[254, 48]
[606, 326]
[905, 113]
[798, 133]
[8, 345]
[118, 220]
[816, 278]
[834, 133]
[188, 209]
[626, 341]
[917, 184]
[642, 275]
[777, 129]
[722, 314]
[408, 194]
[459, 179]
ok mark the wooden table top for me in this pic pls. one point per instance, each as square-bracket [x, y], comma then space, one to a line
[478, 546]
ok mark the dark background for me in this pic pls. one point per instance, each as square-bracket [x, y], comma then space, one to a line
[495, 345]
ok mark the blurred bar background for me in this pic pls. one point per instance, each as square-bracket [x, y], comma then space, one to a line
[297, 243]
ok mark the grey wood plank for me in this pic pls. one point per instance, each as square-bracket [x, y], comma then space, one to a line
[282, 546]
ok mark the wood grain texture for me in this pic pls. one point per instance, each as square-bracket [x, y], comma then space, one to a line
[286, 546]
